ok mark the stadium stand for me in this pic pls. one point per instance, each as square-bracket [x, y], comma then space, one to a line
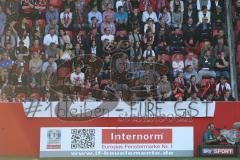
[155, 49]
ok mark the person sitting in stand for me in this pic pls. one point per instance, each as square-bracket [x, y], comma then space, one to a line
[149, 54]
[209, 87]
[192, 86]
[149, 26]
[50, 63]
[177, 65]
[107, 23]
[227, 96]
[135, 36]
[193, 97]
[209, 137]
[204, 30]
[22, 50]
[149, 13]
[134, 18]
[189, 72]
[222, 86]
[107, 36]
[50, 38]
[66, 54]
[95, 13]
[149, 38]
[166, 15]
[192, 46]
[178, 85]
[191, 60]
[176, 41]
[204, 13]
[222, 66]
[121, 17]
[164, 89]
[66, 18]
[206, 65]
[77, 78]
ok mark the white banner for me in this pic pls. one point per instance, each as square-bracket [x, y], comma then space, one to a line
[116, 142]
[119, 109]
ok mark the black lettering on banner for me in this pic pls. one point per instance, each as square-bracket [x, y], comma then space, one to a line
[192, 109]
[132, 108]
[176, 110]
[33, 108]
[49, 106]
[158, 108]
[149, 108]
[207, 107]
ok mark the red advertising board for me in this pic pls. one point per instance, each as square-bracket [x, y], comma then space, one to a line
[137, 136]
[19, 135]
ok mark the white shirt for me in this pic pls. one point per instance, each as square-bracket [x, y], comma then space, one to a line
[227, 86]
[146, 15]
[118, 4]
[148, 53]
[94, 50]
[107, 37]
[201, 15]
[26, 41]
[146, 27]
[199, 7]
[177, 66]
[77, 79]
[48, 39]
[63, 14]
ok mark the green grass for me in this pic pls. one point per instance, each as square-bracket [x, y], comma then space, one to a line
[15, 158]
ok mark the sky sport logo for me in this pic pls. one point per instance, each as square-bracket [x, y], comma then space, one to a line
[218, 151]
[136, 136]
[54, 139]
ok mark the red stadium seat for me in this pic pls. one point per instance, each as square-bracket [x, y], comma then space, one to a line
[166, 57]
[180, 56]
[215, 32]
[62, 74]
[29, 22]
[21, 96]
[237, 28]
[70, 34]
[36, 96]
[56, 3]
[204, 82]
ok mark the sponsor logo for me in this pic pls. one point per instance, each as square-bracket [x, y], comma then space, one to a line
[223, 151]
[136, 136]
[207, 151]
[218, 151]
[54, 139]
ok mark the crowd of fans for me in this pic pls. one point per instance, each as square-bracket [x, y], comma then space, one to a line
[114, 49]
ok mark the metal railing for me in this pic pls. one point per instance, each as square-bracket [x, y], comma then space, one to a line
[231, 45]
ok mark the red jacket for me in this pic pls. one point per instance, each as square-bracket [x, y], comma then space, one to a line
[143, 6]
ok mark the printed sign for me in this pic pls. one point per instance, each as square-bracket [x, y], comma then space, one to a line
[123, 109]
[116, 142]
[218, 150]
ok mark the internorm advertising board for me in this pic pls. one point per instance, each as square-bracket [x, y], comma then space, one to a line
[116, 142]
